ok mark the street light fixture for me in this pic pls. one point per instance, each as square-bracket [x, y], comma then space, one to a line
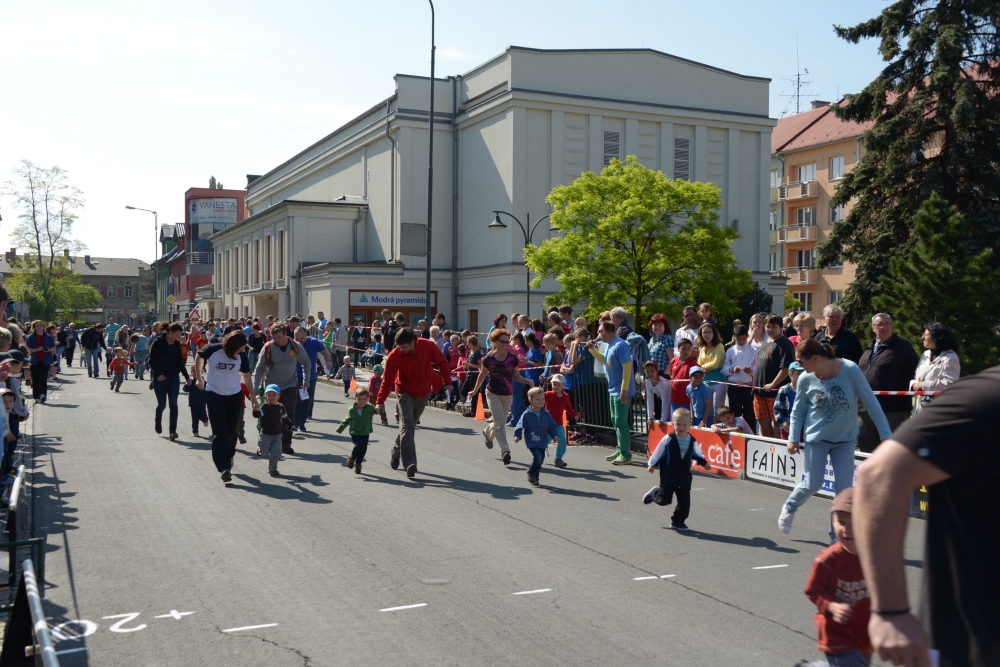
[156, 244]
[528, 233]
[430, 178]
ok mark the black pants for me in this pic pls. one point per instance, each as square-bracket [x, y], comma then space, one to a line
[741, 403]
[289, 398]
[664, 495]
[198, 414]
[167, 390]
[69, 354]
[360, 447]
[39, 380]
[223, 414]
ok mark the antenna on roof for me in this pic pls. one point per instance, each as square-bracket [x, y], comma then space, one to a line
[798, 82]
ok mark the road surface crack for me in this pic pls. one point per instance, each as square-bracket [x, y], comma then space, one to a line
[306, 660]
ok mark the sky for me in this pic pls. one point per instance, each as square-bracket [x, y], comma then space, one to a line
[141, 101]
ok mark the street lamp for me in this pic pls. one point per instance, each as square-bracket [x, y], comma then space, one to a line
[528, 233]
[156, 245]
[430, 178]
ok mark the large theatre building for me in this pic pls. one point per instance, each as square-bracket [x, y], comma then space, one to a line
[341, 227]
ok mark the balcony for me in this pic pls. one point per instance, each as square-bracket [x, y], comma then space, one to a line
[798, 190]
[801, 275]
[200, 258]
[797, 234]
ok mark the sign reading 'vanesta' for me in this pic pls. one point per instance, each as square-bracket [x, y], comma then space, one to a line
[213, 210]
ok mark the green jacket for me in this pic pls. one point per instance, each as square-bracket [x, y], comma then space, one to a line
[360, 425]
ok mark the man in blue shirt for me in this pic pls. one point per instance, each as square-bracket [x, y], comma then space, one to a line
[617, 361]
[321, 321]
[313, 347]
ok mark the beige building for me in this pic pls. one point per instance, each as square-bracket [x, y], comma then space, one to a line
[811, 153]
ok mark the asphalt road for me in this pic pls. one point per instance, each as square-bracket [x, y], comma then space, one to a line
[158, 562]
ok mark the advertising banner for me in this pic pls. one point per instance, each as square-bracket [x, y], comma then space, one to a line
[380, 299]
[726, 454]
[213, 210]
[769, 461]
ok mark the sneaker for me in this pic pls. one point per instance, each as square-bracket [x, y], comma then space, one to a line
[274, 473]
[157, 426]
[533, 479]
[288, 451]
[350, 461]
[411, 470]
[489, 443]
[194, 432]
[303, 428]
[679, 526]
[227, 476]
[648, 498]
[620, 461]
[173, 436]
[243, 440]
[506, 458]
[612, 457]
[785, 520]
[394, 459]
[385, 422]
[559, 463]
[357, 467]
[116, 391]
[111, 387]
[259, 453]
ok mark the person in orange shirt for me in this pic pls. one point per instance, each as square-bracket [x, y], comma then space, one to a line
[557, 402]
[117, 368]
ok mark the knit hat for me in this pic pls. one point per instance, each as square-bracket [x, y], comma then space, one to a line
[272, 388]
[378, 368]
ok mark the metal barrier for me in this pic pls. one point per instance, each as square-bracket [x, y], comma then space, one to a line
[27, 635]
[14, 519]
[593, 407]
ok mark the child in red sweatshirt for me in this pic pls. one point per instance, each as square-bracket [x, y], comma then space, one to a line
[556, 402]
[837, 587]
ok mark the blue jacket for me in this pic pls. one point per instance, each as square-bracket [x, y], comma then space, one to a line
[535, 426]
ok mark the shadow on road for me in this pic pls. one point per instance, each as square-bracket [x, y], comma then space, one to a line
[292, 488]
[443, 482]
[757, 542]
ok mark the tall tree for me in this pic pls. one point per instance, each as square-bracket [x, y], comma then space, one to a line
[940, 280]
[635, 238]
[65, 293]
[935, 109]
[214, 184]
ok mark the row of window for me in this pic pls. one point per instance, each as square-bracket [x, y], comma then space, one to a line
[800, 259]
[807, 172]
[111, 291]
[806, 216]
[806, 298]
[255, 259]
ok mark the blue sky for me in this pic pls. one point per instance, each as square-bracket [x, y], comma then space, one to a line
[140, 101]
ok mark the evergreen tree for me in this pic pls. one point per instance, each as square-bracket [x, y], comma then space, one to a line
[940, 280]
[935, 108]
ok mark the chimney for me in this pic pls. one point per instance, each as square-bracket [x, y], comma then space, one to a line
[65, 252]
[819, 104]
[86, 259]
[11, 256]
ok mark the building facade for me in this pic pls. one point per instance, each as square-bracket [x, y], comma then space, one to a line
[811, 153]
[341, 227]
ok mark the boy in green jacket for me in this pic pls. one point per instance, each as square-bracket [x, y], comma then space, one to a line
[359, 418]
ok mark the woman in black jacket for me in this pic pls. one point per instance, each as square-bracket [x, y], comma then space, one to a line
[166, 363]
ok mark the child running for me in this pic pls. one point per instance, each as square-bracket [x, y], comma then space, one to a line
[557, 403]
[273, 421]
[374, 383]
[346, 373]
[359, 419]
[198, 404]
[117, 367]
[538, 428]
[674, 454]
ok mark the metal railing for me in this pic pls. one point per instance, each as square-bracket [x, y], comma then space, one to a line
[14, 519]
[200, 258]
[27, 633]
[592, 404]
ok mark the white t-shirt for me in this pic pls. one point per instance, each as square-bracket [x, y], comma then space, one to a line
[685, 332]
[223, 372]
[661, 389]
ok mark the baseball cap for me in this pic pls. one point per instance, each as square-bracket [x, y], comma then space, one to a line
[16, 355]
[844, 501]
[796, 366]
[272, 388]
[558, 377]
[378, 368]
[695, 369]
[5, 391]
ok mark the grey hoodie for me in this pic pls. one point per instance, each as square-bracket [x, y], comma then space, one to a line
[280, 369]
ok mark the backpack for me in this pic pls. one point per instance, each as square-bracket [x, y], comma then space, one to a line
[267, 349]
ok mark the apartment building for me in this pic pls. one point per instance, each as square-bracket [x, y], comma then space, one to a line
[811, 152]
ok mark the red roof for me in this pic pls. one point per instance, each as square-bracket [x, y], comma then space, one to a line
[812, 128]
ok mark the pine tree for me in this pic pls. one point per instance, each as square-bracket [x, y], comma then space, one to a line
[935, 108]
[940, 280]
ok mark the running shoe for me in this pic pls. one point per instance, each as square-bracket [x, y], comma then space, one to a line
[785, 520]
[648, 498]
[411, 470]
[394, 460]
[357, 467]
[489, 443]
[350, 461]
[173, 436]
[227, 476]
[506, 458]
[612, 457]
[679, 526]
[274, 473]
[620, 461]
[559, 463]
[533, 479]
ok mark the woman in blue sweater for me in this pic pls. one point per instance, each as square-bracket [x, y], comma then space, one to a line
[826, 412]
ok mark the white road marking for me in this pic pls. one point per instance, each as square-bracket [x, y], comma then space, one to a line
[408, 606]
[59, 632]
[643, 578]
[71, 650]
[769, 567]
[540, 590]
[755, 509]
[175, 614]
[700, 488]
[117, 627]
[667, 576]
[251, 627]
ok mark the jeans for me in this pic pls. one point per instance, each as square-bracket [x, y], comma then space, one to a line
[537, 459]
[254, 356]
[517, 404]
[223, 413]
[140, 363]
[360, 447]
[678, 406]
[664, 495]
[116, 380]
[39, 380]
[93, 365]
[497, 429]
[619, 419]
[290, 399]
[561, 447]
[59, 355]
[410, 409]
[841, 455]
[164, 390]
[199, 414]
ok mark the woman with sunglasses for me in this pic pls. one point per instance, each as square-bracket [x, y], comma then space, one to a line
[826, 413]
[500, 370]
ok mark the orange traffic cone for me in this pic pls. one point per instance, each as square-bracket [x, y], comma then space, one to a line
[565, 419]
[354, 384]
[480, 412]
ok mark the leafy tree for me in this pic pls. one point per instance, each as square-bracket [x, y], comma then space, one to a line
[214, 184]
[791, 303]
[935, 108]
[147, 285]
[64, 294]
[635, 238]
[940, 280]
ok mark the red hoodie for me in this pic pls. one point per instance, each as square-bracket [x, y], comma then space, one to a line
[837, 577]
[417, 373]
[556, 405]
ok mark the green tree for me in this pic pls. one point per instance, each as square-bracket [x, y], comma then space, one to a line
[214, 184]
[635, 238]
[935, 108]
[791, 303]
[940, 280]
[65, 293]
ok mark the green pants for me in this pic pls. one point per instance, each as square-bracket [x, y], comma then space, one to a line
[619, 420]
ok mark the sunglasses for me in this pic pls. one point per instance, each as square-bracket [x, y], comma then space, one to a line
[504, 341]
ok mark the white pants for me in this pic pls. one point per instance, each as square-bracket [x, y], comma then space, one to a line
[497, 429]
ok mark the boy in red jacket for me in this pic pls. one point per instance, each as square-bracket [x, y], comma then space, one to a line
[837, 587]
[557, 402]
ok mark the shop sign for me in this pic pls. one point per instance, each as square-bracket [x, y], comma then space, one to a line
[213, 210]
[379, 299]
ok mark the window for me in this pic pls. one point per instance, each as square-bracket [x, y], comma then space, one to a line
[256, 262]
[112, 292]
[281, 254]
[682, 158]
[474, 319]
[807, 172]
[805, 217]
[805, 259]
[128, 292]
[806, 298]
[612, 146]
[836, 264]
[837, 214]
[267, 258]
[246, 264]
[775, 178]
[836, 167]
[774, 261]
[236, 267]
[836, 295]
[773, 224]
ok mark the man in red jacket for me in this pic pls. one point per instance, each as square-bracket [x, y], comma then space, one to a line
[410, 371]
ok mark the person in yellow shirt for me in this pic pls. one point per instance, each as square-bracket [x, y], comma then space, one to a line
[711, 358]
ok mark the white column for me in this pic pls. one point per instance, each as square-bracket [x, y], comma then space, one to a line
[557, 152]
[595, 144]
[699, 153]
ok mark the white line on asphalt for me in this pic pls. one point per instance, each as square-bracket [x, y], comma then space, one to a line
[251, 627]
[71, 650]
[769, 567]
[755, 509]
[667, 576]
[643, 578]
[408, 606]
[540, 590]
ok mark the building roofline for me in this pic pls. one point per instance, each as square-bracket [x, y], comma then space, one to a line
[285, 203]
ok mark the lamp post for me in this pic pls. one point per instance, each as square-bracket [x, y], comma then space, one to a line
[528, 232]
[156, 244]
[430, 177]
